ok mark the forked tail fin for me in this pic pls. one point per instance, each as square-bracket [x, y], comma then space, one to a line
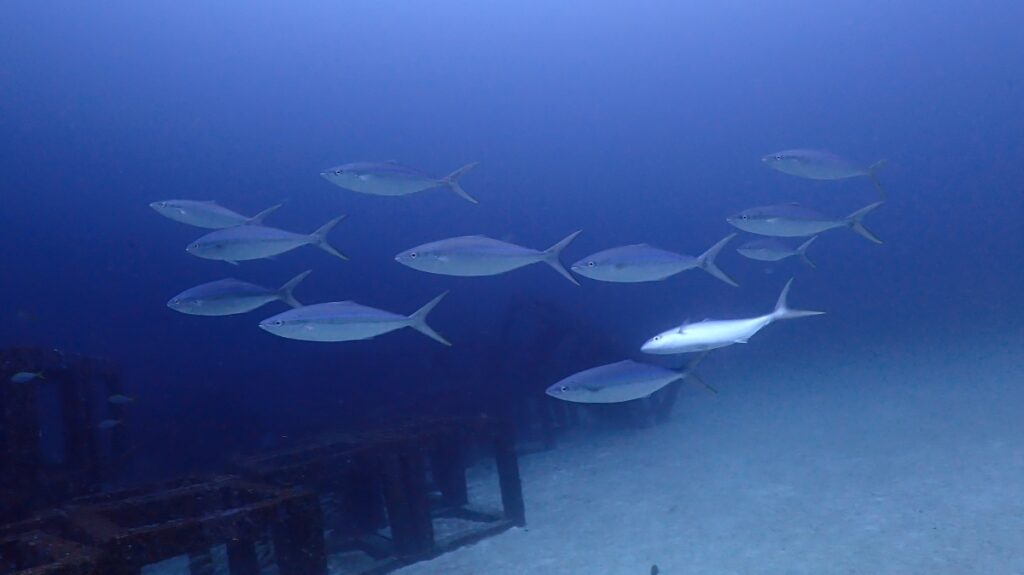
[319, 238]
[552, 254]
[802, 252]
[782, 311]
[855, 221]
[418, 320]
[873, 174]
[285, 293]
[690, 371]
[707, 261]
[452, 181]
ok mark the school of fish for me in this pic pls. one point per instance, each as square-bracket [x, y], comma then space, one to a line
[235, 238]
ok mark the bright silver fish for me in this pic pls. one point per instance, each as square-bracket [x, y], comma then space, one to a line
[231, 296]
[794, 220]
[255, 242]
[209, 215]
[393, 179]
[481, 256]
[645, 263]
[712, 334]
[773, 250]
[347, 321]
[619, 382]
[819, 165]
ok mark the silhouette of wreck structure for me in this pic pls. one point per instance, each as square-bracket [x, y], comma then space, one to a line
[376, 494]
[359, 503]
[52, 446]
[386, 492]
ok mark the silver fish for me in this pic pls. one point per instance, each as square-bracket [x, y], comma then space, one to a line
[819, 165]
[619, 382]
[773, 250]
[645, 263]
[118, 399]
[393, 179]
[26, 376]
[794, 220]
[207, 214]
[481, 256]
[713, 334]
[347, 321]
[231, 296]
[256, 242]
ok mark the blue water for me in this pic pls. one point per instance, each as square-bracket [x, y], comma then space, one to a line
[632, 123]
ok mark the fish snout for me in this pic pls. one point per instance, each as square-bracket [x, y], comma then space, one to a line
[271, 324]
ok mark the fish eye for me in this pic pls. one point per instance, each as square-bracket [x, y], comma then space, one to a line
[278, 323]
[563, 388]
[590, 264]
[744, 217]
[657, 338]
[779, 156]
[412, 255]
[338, 172]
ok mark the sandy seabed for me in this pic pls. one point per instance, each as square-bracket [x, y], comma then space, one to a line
[892, 461]
[899, 459]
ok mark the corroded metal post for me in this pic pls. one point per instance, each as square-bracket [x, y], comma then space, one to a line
[508, 474]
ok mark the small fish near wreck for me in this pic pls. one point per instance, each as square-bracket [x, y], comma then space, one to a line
[348, 321]
[794, 220]
[620, 382]
[207, 214]
[819, 165]
[712, 334]
[481, 256]
[230, 296]
[393, 179]
[646, 263]
[26, 376]
[254, 242]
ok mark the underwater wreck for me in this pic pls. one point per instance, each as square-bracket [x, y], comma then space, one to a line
[378, 492]
[363, 502]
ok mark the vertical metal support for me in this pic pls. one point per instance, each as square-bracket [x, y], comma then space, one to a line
[19, 445]
[449, 470]
[242, 559]
[363, 500]
[200, 563]
[405, 495]
[508, 474]
[299, 538]
[76, 428]
[118, 435]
